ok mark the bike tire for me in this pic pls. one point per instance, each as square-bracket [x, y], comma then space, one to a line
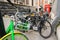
[40, 30]
[17, 35]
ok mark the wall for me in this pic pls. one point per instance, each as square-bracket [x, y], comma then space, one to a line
[1, 0]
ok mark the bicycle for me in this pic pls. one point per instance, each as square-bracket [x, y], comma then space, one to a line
[42, 23]
[39, 22]
[11, 34]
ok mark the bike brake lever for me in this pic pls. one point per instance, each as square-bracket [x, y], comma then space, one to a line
[10, 2]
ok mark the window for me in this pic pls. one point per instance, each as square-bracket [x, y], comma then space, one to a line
[27, 1]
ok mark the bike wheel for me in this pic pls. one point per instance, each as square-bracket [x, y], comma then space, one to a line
[17, 35]
[45, 30]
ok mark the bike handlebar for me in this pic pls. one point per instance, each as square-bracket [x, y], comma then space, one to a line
[11, 3]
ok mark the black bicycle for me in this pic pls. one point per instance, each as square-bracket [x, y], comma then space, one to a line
[44, 26]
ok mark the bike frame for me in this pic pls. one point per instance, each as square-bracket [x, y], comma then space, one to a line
[11, 29]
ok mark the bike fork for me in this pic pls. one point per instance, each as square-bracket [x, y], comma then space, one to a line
[12, 35]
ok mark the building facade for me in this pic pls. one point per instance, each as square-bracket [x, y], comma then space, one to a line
[34, 3]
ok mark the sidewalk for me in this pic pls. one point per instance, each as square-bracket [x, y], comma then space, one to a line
[58, 32]
[31, 35]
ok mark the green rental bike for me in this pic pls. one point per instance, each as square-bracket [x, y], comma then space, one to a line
[12, 34]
